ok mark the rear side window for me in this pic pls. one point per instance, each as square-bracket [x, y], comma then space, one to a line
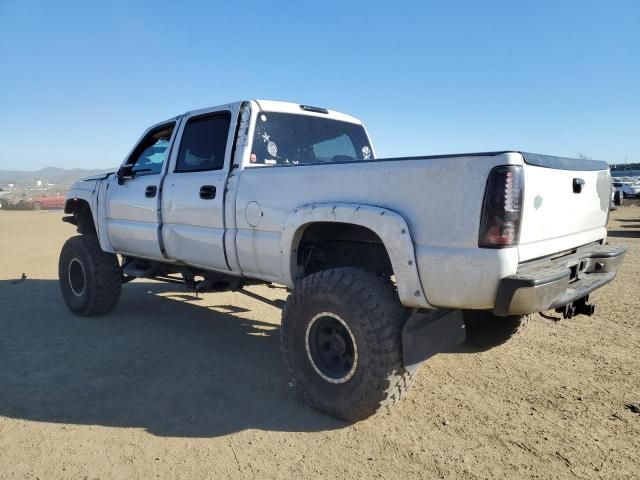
[203, 144]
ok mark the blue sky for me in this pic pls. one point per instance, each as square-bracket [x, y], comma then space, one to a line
[79, 81]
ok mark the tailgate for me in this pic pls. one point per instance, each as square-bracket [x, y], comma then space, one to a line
[566, 204]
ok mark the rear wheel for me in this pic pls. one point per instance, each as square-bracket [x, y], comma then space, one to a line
[342, 342]
[36, 206]
[90, 279]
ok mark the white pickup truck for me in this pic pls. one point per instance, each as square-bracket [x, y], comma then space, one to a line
[385, 262]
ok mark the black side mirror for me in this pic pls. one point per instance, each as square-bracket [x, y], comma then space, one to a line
[124, 172]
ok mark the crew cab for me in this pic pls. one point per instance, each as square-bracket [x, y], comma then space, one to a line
[385, 268]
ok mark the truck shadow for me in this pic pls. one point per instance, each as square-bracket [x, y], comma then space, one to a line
[170, 367]
[631, 233]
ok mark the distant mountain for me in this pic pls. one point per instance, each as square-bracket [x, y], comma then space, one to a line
[57, 176]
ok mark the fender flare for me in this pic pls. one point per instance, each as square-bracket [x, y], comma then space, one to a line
[78, 196]
[95, 198]
[390, 226]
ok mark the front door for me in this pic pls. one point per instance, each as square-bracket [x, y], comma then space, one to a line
[194, 188]
[132, 203]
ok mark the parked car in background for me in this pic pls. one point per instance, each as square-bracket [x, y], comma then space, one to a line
[45, 202]
[616, 195]
[628, 189]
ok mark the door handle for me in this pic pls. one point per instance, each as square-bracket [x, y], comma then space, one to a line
[207, 192]
[150, 191]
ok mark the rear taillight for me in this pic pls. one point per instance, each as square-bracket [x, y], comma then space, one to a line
[502, 207]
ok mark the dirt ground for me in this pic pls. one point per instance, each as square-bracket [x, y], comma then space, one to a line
[173, 386]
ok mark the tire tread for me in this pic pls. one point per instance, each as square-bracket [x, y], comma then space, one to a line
[370, 296]
[104, 284]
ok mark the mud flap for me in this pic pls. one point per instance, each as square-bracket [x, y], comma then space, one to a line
[428, 332]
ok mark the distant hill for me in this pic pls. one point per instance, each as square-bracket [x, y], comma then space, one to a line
[58, 176]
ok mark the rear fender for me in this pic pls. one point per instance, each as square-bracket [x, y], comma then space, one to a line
[390, 226]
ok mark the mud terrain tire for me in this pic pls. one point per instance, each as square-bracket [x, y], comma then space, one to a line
[353, 315]
[90, 279]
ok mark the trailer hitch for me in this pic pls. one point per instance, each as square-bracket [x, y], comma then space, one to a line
[579, 307]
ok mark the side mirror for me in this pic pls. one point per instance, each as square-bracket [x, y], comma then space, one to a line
[124, 172]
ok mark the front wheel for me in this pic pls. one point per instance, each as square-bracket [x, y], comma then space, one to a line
[342, 342]
[36, 206]
[90, 279]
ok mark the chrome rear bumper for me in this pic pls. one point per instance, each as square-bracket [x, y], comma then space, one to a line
[551, 283]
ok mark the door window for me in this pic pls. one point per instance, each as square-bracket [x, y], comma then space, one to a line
[151, 153]
[204, 142]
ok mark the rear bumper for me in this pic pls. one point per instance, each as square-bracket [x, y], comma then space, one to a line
[551, 283]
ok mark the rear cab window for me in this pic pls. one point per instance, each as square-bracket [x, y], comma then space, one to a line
[294, 139]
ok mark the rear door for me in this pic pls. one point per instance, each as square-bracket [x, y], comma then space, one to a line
[566, 204]
[194, 189]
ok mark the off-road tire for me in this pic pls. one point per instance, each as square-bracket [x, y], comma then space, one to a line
[36, 206]
[486, 330]
[368, 303]
[97, 290]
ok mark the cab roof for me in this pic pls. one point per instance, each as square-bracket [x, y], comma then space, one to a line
[290, 107]
[270, 106]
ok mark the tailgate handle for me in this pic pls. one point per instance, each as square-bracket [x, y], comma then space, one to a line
[577, 185]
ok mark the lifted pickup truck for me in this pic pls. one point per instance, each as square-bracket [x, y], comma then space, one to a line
[385, 266]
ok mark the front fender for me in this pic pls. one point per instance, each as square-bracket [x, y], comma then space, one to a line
[390, 226]
[94, 193]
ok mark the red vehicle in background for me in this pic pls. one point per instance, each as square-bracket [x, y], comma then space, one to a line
[46, 202]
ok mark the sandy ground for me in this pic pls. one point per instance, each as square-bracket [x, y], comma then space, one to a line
[173, 386]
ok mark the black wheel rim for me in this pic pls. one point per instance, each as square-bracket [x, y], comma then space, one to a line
[76, 277]
[331, 348]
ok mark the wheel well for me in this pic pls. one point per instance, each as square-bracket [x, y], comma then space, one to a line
[326, 245]
[82, 216]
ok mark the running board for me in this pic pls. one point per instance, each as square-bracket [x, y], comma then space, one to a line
[132, 269]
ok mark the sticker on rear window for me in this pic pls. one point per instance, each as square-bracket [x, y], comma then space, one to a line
[272, 148]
